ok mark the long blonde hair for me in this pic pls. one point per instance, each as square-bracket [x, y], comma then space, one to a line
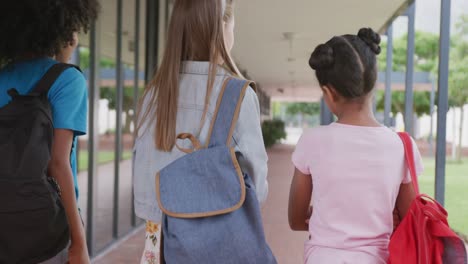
[196, 32]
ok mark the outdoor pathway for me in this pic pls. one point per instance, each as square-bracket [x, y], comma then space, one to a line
[285, 244]
[104, 201]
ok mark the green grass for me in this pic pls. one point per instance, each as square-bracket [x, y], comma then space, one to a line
[103, 157]
[456, 191]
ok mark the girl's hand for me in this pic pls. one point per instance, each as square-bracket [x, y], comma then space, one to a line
[60, 169]
[78, 254]
[406, 195]
[299, 210]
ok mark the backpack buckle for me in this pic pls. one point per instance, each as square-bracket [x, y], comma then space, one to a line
[13, 93]
[195, 143]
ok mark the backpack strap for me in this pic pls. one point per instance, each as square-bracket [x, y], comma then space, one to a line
[409, 155]
[46, 82]
[227, 111]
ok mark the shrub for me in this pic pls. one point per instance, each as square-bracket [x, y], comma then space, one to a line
[273, 131]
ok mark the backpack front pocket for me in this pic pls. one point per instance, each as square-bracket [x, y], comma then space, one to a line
[33, 224]
[207, 182]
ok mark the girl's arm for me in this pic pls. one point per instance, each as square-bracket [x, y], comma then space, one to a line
[60, 169]
[406, 195]
[299, 201]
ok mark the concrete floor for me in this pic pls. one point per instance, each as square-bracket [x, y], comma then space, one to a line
[104, 201]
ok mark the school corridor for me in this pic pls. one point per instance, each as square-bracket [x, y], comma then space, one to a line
[285, 244]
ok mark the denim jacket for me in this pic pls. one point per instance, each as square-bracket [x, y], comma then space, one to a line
[247, 137]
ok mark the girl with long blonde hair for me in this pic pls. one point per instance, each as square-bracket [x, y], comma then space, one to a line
[181, 98]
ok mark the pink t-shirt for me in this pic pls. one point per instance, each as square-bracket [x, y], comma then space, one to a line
[356, 174]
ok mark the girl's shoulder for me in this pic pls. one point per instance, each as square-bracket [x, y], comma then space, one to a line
[313, 136]
[316, 132]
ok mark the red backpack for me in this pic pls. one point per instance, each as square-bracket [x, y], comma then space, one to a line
[424, 236]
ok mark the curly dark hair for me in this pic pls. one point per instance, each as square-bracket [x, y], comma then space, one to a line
[41, 28]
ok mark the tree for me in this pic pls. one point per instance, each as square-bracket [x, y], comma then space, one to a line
[276, 108]
[84, 60]
[303, 109]
[425, 60]
[462, 25]
[458, 93]
[421, 105]
[110, 93]
[458, 76]
[425, 53]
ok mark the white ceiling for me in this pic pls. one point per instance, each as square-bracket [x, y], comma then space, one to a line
[263, 51]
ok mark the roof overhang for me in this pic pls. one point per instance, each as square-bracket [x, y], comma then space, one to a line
[274, 38]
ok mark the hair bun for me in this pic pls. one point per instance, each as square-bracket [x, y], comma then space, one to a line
[371, 38]
[322, 57]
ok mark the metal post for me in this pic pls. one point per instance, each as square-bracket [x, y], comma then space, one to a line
[388, 77]
[326, 116]
[442, 106]
[166, 16]
[93, 139]
[118, 129]
[136, 80]
[152, 38]
[409, 71]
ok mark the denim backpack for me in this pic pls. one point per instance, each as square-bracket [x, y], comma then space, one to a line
[210, 210]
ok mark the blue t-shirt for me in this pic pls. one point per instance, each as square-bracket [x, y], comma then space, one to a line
[67, 96]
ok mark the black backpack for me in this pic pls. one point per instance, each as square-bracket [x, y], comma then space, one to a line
[33, 223]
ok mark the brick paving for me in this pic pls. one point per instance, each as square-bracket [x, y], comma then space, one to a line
[104, 201]
[286, 244]
[127, 252]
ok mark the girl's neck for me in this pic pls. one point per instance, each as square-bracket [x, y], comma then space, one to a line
[357, 114]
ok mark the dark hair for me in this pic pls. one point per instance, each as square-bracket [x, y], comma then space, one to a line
[41, 28]
[348, 63]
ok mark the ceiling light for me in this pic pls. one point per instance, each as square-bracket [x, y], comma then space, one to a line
[289, 35]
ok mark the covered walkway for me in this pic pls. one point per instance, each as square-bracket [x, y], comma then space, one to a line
[286, 244]
[130, 34]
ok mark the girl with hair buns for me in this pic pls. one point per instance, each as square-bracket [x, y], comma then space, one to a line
[352, 171]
